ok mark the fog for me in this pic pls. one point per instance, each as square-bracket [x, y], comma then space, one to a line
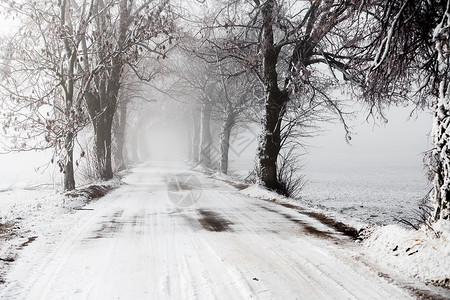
[167, 136]
[184, 138]
[407, 133]
[163, 122]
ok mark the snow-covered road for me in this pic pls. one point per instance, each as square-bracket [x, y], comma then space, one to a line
[136, 243]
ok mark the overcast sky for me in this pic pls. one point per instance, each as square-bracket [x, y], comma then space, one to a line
[402, 137]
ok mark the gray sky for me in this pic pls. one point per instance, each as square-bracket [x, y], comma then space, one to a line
[402, 138]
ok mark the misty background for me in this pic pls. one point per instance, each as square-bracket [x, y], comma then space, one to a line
[381, 158]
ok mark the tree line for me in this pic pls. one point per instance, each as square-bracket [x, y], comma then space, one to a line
[276, 62]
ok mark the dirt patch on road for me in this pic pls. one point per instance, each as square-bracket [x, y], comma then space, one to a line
[328, 221]
[30, 240]
[425, 294]
[212, 221]
[110, 227]
[308, 228]
[338, 226]
[303, 225]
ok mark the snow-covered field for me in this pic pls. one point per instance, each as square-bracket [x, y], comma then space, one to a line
[27, 170]
[360, 189]
[371, 190]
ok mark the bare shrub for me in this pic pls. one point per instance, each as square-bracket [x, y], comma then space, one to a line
[291, 182]
[253, 175]
[423, 216]
[86, 164]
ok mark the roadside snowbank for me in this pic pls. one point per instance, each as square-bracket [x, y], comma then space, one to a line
[27, 214]
[416, 253]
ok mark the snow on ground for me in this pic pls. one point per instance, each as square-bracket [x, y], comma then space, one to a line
[431, 265]
[373, 190]
[371, 185]
[393, 188]
[136, 242]
[26, 214]
[370, 194]
[420, 254]
[31, 211]
[358, 189]
[26, 170]
[364, 191]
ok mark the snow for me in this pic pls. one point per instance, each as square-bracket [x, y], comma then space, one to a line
[136, 243]
[258, 191]
[32, 208]
[368, 189]
[17, 172]
[365, 200]
[419, 254]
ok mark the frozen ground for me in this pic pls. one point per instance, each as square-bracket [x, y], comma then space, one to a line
[146, 240]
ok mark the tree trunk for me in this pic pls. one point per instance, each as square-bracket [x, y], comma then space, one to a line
[206, 139]
[440, 195]
[120, 136]
[69, 177]
[441, 155]
[103, 147]
[195, 136]
[270, 142]
[134, 156]
[102, 105]
[225, 142]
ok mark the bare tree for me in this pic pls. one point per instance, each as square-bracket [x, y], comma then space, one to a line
[295, 48]
[198, 81]
[43, 81]
[122, 33]
[237, 98]
[195, 138]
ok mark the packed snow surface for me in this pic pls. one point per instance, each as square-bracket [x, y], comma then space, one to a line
[171, 233]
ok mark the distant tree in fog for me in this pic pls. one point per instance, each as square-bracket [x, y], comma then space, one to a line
[237, 98]
[217, 94]
[195, 78]
[131, 91]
